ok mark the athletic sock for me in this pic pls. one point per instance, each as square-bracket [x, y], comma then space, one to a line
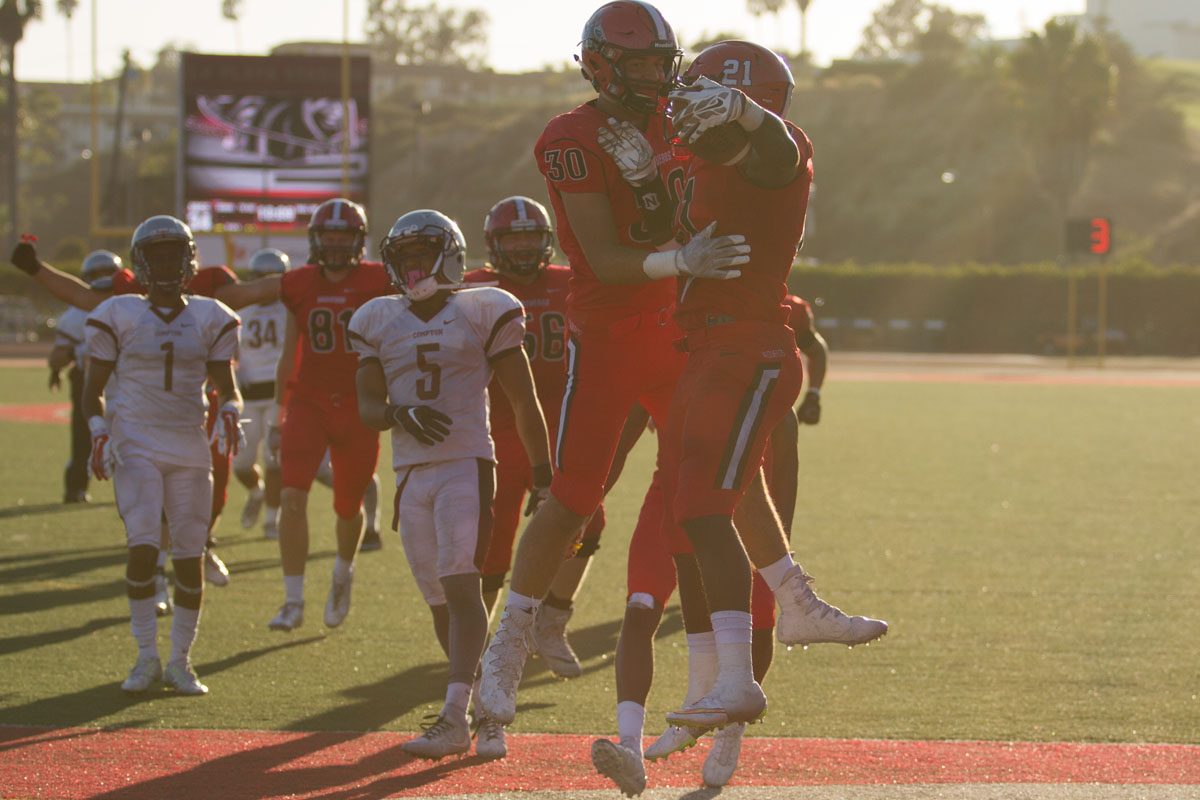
[271, 515]
[162, 558]
[458, 697]
[702, 665]
[293, 588]
[520, 602]
[733, 631]
[342, 569]
[184, 626]
[774, 574]
[143, 621]
[631, 720]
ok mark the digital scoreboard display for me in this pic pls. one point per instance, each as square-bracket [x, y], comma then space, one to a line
[262, 139]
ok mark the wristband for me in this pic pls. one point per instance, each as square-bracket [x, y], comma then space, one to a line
[542, 476]
[97, 426]
[661, 265]
[814, 390]
[753, 117]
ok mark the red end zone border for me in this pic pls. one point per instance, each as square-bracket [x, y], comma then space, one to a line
[78, 763]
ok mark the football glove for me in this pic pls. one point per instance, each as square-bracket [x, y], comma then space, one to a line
[104, 458]
[25, 257]
[809, 412]
[706, 257]
[540, 491]
[630, 150]
[706, 104]
[55, 380]
[428, 426]
[227, 434]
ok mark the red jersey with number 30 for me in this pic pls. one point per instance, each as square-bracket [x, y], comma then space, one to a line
[772, 220]
[571, 159]
[545, 302]
[204, 283]
[326, 364]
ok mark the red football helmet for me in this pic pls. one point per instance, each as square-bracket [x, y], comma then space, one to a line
[337, 214]
[757, 71]
[626, 28]
[519, 215]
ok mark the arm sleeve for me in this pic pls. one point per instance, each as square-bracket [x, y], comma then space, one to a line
[101, 333]
[226, 334]
[503, 323]
[360, 336]
[571, 164]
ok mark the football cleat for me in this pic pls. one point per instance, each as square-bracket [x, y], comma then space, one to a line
[722, 759]
[253, 507]
[337, 605]
[215, 571]
[489, 739]
[729, 701]
[550, 642]
[180, 676]
[503, 663]
[442, 738]
[621, 765]
[271, 531]
[804, 618]
[289, 617]
[162, 596]
[370, 542]
[673, 740]
[145, 672]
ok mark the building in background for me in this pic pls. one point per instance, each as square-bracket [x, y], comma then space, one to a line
[1155, 28]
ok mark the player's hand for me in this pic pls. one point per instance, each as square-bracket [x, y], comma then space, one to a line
[274, 439]
[809, 412]
[55, 380]
[25, 257]
[705, 104]
[706, 257]
[629, 150]
[428, 426]
[104, 458]
[227, 434]
[540, 491]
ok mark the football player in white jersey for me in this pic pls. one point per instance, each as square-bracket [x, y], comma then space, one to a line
[153, 442]
[263, 325]
[426, 357]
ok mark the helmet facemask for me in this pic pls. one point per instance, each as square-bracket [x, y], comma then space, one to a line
[336, 250]
[521, 252]
[165, 265]
[423, 262]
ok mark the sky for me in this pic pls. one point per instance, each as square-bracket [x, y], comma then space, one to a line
[524, 35]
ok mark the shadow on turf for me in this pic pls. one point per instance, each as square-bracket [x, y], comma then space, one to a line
[89, 705]
[56, 566]
[10, 512]
[18, 644]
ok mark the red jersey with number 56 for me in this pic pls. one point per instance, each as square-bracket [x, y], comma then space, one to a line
[545, 302]
[772, 220]
[571, 159]
[326, 363]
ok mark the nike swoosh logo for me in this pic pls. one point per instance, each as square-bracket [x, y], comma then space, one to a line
[448, 321]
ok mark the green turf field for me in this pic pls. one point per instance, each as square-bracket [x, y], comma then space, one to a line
[1035, 548]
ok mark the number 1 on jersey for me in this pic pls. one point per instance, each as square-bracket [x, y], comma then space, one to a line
[168, 365]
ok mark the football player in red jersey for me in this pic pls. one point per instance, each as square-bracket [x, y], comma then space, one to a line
[619, 347]
[316, 390]
[520, 244]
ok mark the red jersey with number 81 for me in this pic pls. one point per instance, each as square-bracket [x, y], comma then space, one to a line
[326, 364]
[772, 220]
[545, 302]
[571, 159]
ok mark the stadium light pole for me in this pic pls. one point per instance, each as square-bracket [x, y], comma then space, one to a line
[94, 120]
[345, 98]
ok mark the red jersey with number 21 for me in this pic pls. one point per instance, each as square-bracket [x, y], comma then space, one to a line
[322, 308]
[571, 159]
[772, 220]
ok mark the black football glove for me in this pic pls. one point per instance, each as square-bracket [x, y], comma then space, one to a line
[24, 256]
[542, 475]
[423, 423]
[809, 412]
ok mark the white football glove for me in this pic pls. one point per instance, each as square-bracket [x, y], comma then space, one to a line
[630, 150]
[227, 433]
[104, 458]
[706, 104]
[706, 257]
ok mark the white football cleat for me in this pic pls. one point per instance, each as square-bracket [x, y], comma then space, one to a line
[250, 511]
[729, 701]
[337, 605]
[443, 738]
[621, 765]
[162, 596]
[722, 759]
[215, 571]
[673, 740]
[550, 641]
[289, 617]
[489, 739]
[180, 676]
[145, 672]
[804, 618]
[503, 663]
[271, 531]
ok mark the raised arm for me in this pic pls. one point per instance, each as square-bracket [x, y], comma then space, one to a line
[65, 287]
[247, 293]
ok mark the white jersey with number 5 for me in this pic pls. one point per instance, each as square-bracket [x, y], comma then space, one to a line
[262, 341]
[443, 363]
[162, 357]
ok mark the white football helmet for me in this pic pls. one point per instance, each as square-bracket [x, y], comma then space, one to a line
[443, 244]
[169, 269]
[270, 261]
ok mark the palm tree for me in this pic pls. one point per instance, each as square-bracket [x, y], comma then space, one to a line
[67, 9]
[14, 14]
[775, 6]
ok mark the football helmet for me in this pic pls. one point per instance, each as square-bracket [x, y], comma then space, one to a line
[519, 215]
[337, 214]
[617, 31]
[98, 268]
[757, 71]
[269, 261]
[424, 252]
[163, 254]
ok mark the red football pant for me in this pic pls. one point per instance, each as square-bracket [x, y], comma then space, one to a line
[309, 429]
[651, 569]
[740, 379]
[513, 478]
[220, 463]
